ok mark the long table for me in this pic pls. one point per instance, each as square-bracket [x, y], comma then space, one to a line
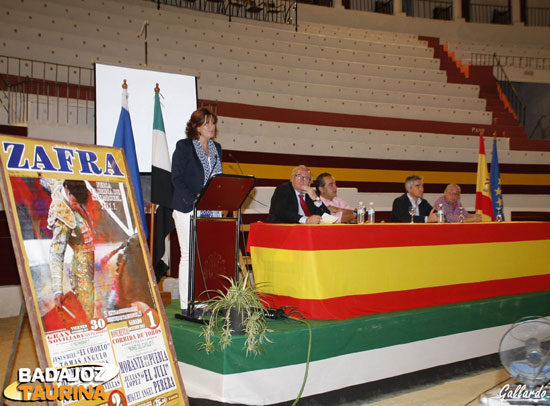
[347, 353]
[343, 271]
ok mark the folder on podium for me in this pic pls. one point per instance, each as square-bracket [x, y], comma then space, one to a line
[214, 241]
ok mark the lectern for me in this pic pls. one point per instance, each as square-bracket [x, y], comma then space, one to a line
[214, 242]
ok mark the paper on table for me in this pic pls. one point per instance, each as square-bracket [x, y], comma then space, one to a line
[328, 219]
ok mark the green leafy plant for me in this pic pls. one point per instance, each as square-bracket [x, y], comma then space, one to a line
[244, 301]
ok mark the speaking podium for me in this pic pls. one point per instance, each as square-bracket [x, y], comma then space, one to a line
[214, 241]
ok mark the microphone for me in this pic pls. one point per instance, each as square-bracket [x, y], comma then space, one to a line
[230, 155]
[237, 162]
[213, 167]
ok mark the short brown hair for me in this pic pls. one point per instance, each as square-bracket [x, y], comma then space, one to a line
[197, 119]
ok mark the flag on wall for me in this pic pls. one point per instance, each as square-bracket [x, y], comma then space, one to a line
[161, 192]
[496, 192]
[124, 138]
[484, 205]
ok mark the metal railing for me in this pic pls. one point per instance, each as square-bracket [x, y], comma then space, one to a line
[537, 17]
[326, 3]
[523, 62]
[55, 87]
[17, 96]
[377, 6]
[435, 9]
[542, 129]
[488, 13]
[509, 90]
[277, 11]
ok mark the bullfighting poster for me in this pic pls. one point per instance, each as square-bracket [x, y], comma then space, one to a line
[95, 311]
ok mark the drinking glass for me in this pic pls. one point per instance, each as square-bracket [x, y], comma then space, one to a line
[461, 214]
[412, 212]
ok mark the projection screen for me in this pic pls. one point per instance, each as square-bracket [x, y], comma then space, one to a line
[178, 100]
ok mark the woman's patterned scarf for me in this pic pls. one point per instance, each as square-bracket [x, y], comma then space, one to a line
[207, 163]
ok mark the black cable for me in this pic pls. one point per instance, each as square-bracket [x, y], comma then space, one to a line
[200, 265]
[240, 221]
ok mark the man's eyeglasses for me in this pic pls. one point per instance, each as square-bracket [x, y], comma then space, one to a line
[303, 178]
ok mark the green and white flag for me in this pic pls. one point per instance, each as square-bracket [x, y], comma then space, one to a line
[161, 192]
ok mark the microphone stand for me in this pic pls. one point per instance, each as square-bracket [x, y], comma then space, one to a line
[230, 155]
[213, 167]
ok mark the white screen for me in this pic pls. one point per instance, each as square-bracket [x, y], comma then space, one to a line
[178, 98]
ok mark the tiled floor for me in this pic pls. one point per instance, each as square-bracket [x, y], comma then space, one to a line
[25, 355]
[458, 392]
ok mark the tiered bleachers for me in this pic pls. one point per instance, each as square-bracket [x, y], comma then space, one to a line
[263, 59]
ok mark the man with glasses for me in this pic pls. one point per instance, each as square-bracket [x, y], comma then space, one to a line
[296, 201]
[453, 208]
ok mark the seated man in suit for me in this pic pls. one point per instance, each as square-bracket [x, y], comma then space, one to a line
[424, 213]
[296, 201]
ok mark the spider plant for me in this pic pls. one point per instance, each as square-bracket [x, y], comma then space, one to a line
[242, 299]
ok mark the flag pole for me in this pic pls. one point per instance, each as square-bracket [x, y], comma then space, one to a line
[153, 207]
[124, 139]
[152, 227]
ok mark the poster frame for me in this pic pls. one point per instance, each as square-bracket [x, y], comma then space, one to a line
[35, 153]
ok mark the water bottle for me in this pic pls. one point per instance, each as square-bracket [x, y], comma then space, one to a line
[371, 212]
[360, 213]
[440, 214]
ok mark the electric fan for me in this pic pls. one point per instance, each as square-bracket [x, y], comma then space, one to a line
[525, 354]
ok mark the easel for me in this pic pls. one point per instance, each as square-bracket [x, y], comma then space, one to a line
[9, 367]
[218, 236]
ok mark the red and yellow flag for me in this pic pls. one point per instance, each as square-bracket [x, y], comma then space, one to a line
[484, 204]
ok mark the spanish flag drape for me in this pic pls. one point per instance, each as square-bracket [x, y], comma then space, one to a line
[340, 271]
[484, 204]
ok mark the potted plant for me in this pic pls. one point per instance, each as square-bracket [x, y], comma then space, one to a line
[238, 310]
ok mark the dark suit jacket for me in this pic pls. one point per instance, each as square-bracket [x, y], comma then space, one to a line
[284, 205]
[400, 210]
[187, 174]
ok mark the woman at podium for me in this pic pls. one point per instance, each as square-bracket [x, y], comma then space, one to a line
[195, 159]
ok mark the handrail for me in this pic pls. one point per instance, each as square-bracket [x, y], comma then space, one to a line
[515, 61]
[488, 13]
[50, 84]
[4, 85]
[277, 11]
[537, 16]
[509, 90]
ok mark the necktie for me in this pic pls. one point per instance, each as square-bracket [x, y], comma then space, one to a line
[304, 206]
